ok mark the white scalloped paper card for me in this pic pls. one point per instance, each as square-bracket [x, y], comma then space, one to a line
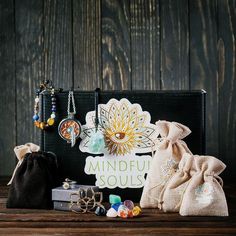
[127, 131]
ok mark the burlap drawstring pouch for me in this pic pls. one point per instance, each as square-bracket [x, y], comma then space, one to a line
[204, 195]
[169, 149]
[172, 193]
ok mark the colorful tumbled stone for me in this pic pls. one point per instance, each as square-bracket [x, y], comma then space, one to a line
[130, 214]
[123, 211]
[123, 214]
[116, 205]
[100, 211]
[129, 204]
[113, 199]
[111, 213]
[136, 211]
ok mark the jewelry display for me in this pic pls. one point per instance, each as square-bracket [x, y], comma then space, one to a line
[69, 128]
[51, 120]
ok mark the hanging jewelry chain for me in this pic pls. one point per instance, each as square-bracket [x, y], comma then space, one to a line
[69, 128]
[71, 99]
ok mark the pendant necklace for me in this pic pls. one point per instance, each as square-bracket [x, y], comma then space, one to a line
[69, 128]
[96, 142]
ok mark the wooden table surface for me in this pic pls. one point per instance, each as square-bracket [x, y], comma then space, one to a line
[152, 221]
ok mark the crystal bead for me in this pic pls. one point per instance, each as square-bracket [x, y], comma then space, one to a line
[50, 121]
[53, 116]
[37, 123]
[42, 125]
[35, 117]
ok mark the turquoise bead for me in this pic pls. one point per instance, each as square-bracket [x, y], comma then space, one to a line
[96, 143]
[113, 199]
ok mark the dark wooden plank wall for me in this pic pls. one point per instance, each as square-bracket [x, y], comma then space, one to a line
[118, 44]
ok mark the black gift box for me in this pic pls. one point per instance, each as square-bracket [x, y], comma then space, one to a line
[186, 107]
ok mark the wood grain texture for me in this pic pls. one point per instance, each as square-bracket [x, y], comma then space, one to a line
[204, 63]
[58, 42]
[227, 81]
[145, 44]
[174, 44]
[7, 87]
[118, 44]
[115, 16]
[150, 222]
[87, 44]
[29, 65]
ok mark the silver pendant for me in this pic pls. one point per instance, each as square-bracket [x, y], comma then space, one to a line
[70, 129]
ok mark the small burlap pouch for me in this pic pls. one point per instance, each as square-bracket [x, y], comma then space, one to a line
[168, 152]
[173, 191]
[204, 194]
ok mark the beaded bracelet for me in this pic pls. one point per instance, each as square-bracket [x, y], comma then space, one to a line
[51, 120]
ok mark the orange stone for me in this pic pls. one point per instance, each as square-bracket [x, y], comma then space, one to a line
[42, 125]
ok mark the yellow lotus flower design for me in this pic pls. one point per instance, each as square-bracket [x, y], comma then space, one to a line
[126, 128]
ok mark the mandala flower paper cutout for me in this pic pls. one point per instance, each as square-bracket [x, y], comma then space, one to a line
[126, 128]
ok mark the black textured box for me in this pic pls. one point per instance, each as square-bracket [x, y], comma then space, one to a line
[186, 107]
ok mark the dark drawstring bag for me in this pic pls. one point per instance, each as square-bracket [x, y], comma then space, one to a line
[33, 179]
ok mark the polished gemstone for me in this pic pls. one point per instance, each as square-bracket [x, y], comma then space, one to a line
[111, 213]
[130, 214]
[113, 199]
[100, 211]
[129, 204]
[116, 205]
[123, 211]
[136, 211]
[96, 143]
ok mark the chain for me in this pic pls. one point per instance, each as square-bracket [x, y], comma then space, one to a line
[72, 99]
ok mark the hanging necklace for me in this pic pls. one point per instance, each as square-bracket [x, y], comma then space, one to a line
[51, 120]
[69, 128]
[96, 143]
